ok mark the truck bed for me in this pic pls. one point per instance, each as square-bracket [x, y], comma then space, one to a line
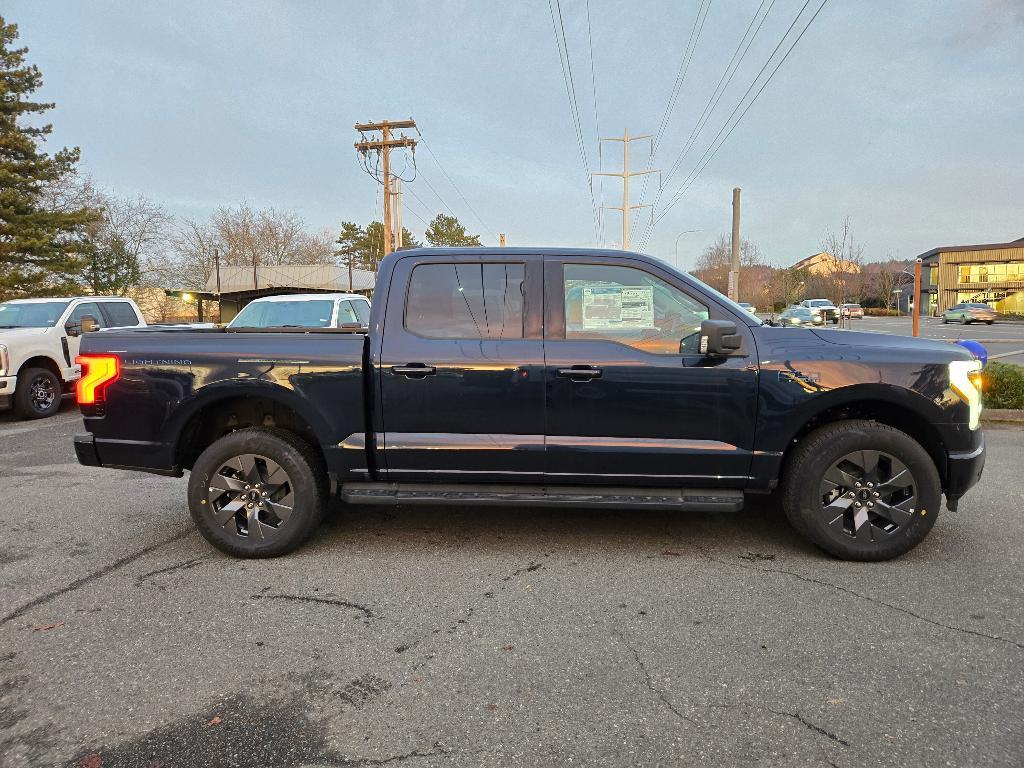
[175, 380]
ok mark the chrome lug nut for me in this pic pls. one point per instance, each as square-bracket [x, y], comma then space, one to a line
[871, 503]
[875, 494]
[249, 505]
[857, 504]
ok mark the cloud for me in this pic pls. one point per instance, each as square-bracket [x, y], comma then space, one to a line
[991, 21]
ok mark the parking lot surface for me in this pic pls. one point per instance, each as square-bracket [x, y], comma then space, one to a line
[435, 636]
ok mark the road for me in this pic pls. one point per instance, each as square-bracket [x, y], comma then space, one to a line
[520, 637]
[1003, 339]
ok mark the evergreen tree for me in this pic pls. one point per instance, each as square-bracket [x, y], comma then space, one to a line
[448, 231]
[38, 250]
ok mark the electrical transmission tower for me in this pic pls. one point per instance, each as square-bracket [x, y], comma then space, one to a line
[625, 175]
[383, 147]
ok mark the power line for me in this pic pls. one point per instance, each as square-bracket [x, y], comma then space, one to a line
[574, 110]
[597, 123]
[715, 145]
[452, 182]
[677, 85]
[716, 96]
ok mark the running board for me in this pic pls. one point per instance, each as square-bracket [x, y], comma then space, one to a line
[688, 499]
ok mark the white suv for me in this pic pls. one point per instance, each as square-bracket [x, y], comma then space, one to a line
[39, 342]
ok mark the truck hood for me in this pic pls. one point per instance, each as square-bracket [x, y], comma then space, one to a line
[14, 334]
[870, 340]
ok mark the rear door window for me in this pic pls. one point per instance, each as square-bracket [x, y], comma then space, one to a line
[120, 314]
[89, 308]
[466, 301]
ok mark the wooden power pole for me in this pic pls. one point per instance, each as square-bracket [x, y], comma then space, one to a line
[625, 175]
[384, 145]
[734, 270]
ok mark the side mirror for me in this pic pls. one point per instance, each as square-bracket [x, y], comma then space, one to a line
[89, 324]
[719, 337]
[72, 329]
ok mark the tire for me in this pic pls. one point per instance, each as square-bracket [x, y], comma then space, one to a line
[246, 467]
[989, 322]
[822, 510]
[945, 320]
[38, 393]
[964, 320]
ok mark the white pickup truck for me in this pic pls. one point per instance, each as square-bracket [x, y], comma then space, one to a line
[39, 342]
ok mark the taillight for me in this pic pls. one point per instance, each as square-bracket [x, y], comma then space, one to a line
[98, 373]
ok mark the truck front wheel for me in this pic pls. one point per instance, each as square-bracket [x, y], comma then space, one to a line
[861, 490]
[258, 492]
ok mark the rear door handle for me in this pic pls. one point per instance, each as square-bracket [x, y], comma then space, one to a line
[580, 372]
[414, 370]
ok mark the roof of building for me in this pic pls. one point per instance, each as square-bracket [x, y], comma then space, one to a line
[824, 257]
[323, 277]
[1018, 243]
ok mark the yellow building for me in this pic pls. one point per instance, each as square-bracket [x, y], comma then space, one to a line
[992, 274]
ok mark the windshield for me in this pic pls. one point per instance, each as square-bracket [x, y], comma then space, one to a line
[37, 314]
[820, 303]
[277, 314]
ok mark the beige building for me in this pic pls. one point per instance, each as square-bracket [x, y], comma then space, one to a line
[824, 263]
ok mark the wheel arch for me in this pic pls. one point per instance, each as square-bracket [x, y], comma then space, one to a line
[226, 409]
[885, 405]
[41, 361]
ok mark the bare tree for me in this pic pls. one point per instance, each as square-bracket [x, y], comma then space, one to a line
[714, 263]
[840, 272]
[268, 237]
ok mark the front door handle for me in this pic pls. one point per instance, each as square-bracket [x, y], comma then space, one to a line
[413, 370]
[580, 372]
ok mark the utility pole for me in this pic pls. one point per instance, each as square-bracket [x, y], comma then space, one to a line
[626, 208]
[734, 272]
[399, 240]
[384, 145]
[501, 239]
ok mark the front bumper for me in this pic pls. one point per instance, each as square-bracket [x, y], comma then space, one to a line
[7, 384]
[964, 471]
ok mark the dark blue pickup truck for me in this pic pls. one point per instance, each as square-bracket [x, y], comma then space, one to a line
[541, 376]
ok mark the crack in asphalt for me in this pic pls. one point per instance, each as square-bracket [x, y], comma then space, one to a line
[171, 568]
[847, 590]
[98, 574]
[812, 726]
[650, 681]
[394, 759]
[323, 600]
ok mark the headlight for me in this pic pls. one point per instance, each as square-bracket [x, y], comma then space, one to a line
[965, 381]
[5, 360]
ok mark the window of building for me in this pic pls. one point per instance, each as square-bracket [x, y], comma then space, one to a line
[631, 307]
[466, 301]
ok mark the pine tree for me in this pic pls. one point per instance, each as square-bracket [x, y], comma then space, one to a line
[447, 230]
[38, 253]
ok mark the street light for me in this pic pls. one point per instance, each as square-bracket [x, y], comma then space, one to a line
[675, 260]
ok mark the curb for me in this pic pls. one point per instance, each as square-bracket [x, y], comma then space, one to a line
[1003, 415]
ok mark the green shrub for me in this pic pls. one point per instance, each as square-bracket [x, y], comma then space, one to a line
[1004, 385]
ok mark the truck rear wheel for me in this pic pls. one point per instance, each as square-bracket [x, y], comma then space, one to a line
[38, 393]
[258, 492]
[861, 490]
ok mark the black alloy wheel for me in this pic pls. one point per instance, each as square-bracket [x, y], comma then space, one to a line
[861, 490]
[258, 492]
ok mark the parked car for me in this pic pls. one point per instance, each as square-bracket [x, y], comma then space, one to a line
[562, 377]
[749, 307]
[828, 311]
[851, 310]
[797, 316]
[970, 312]
[39, 340]
[304, 310]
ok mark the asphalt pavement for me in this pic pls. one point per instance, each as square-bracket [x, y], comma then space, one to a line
[495, 637]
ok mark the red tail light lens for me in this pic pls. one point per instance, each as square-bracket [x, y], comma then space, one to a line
[98, 373]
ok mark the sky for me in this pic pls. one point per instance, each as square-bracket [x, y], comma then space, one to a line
[906, 117]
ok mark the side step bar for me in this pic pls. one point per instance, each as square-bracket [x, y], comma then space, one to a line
[689, 499]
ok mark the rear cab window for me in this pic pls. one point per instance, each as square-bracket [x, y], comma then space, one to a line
[466, 301]
[120, 314]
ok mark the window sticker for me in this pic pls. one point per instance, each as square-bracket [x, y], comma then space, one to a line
[618, 306]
